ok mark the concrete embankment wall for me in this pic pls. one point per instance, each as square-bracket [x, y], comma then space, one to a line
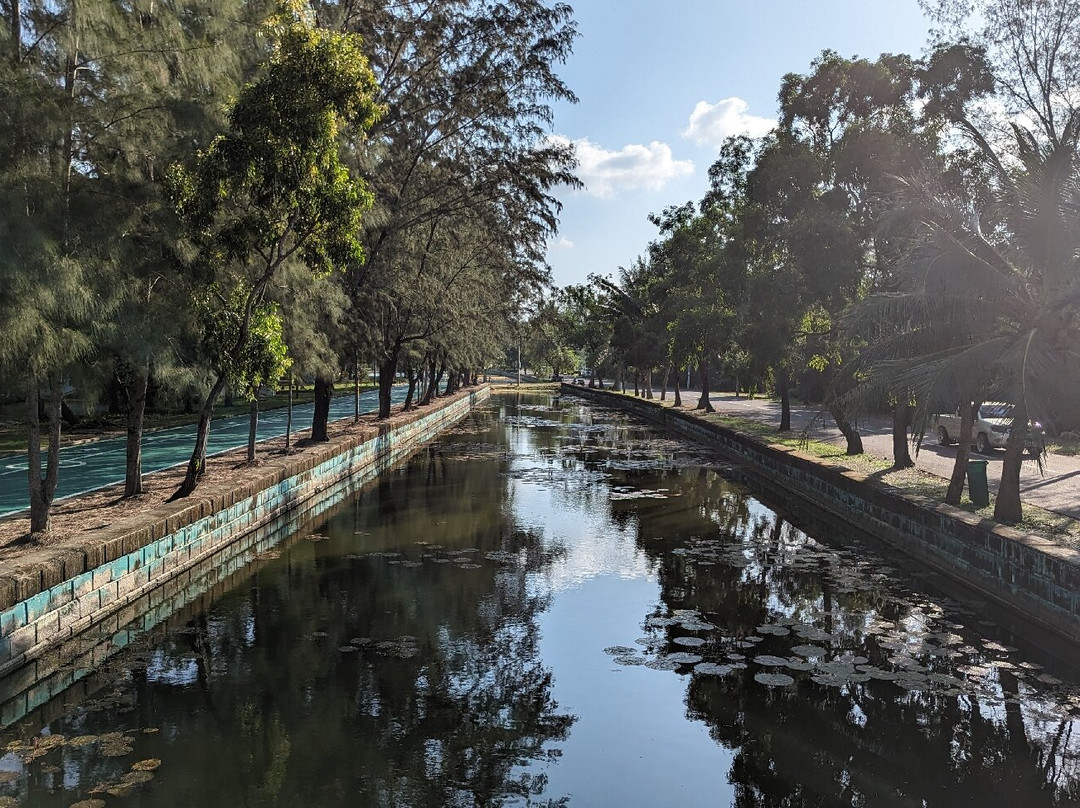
[1027, 574]
[117, 575]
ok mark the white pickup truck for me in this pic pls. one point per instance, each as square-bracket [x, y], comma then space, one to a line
[990, 430]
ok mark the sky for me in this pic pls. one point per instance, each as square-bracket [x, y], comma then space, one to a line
[661, 83]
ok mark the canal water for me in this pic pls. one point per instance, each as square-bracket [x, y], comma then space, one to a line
[556, 605]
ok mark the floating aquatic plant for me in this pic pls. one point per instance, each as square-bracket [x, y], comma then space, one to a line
[770, 661]
[712, 669]
[774, 679]
[682, 658]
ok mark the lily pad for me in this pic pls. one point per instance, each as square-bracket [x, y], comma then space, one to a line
[770, 661]
[774, 679]
[628, 659]
[776, 631]
[689, 642]
[813, 651]
[712, 669]
[683, 658]
[148, 765]
[619, 650]
[662, 664]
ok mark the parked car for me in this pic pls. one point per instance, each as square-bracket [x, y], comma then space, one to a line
[990, 430]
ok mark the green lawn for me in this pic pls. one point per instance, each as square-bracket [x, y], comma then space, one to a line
[1040, 522]
[1037, 521]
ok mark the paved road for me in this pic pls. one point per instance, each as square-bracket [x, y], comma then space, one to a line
[94, 465]
[1055, 488]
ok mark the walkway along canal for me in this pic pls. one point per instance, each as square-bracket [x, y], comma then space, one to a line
[556, 604]
[95, 464]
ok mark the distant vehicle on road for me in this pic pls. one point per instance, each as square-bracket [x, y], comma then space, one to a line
[991, 429]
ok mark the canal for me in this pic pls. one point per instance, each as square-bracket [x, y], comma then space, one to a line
[557, 605]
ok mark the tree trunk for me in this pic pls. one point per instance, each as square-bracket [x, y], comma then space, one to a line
[42, 489]
[737, 396]
[648, 384]
[288, 416]
[963, 452]
[901, 454]
[197, 464]
[387, 371]
[1007, 508]
[678, 395]
[429, 390]
[16, 31]
[785, 401]
[847, 428]
[438, 378]
[253, 428]
[356, 391]
[136, 410]
[412, 390]
[324, 392]
[664, 382]
[703, 401]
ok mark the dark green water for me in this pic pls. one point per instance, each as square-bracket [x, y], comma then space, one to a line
[555, 604]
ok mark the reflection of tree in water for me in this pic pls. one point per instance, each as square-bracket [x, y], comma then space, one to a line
[259, 705]
[982, 730]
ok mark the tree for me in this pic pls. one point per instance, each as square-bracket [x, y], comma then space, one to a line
[85, 93]
[274, 189]
[997, 241]
[461, 163]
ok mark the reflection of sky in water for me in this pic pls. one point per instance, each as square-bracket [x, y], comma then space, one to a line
[624, 748]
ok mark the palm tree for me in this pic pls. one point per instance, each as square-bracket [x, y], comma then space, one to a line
[993, 314]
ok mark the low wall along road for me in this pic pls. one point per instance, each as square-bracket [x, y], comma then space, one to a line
[1026, 574]
[119, 575]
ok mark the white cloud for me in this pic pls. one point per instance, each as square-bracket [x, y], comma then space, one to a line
[711, 124]
[562, 244]
[606, 173]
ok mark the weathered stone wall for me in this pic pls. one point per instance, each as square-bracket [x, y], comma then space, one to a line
[119, 574]
[1027, 574]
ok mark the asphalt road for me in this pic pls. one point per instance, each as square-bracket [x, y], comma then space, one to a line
[89, 466]
[1056, 487]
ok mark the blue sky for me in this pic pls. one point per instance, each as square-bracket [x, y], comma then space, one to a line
[661, 83]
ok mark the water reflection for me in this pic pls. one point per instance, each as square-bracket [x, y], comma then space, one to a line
[555, 605]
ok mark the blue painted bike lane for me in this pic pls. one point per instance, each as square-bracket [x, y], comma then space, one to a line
[90, 466]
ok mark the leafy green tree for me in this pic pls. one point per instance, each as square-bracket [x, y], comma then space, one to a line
[461, 164]
[90, 98]
[274, 189]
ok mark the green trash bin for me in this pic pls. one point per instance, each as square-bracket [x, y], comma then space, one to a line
[978, 488]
